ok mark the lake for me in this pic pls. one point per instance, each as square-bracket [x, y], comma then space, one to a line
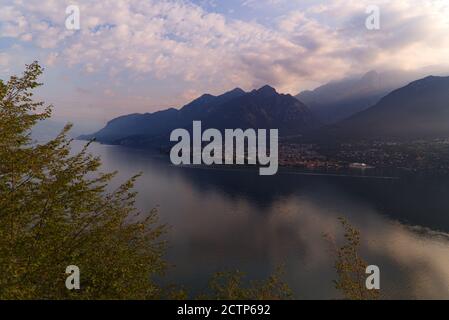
[228, 219]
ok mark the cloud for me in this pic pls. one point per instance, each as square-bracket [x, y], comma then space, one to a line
[4, 61]
[205, 51]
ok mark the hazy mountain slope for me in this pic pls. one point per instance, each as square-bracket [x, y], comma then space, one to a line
[48, 129]
[338, 100]
[418, 110]
[135, 124]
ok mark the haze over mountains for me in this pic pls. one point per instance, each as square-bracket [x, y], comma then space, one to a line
[335, 101]
[48, 129]
[340, 99]
[417, 110]
[263, 108]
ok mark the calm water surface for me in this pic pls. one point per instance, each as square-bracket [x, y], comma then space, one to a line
[226, 219]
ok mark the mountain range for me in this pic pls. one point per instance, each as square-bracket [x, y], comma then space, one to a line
[417, 110]
[263, 108]
[340, 99]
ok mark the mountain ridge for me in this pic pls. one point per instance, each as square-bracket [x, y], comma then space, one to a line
[262, 108]
[418, 110]
[337, 100]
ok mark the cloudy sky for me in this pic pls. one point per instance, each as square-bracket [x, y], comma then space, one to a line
[144, 55]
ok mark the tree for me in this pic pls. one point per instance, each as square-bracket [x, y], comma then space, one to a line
[229, 285]
[350, 267]
[56, 211]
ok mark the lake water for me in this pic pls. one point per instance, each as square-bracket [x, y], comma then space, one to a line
[227, 219]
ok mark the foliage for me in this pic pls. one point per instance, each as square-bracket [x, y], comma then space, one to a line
[56, 211]
[230, 286]
[351, 268]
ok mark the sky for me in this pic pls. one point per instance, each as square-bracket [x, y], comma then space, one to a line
[145, 55]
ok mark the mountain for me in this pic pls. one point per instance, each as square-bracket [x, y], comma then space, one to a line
[338, 100]
[418, 110]
[48, 129]
[263, 109]
[207, 102]
[134, 124]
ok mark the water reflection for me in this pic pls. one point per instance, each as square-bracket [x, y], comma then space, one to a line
[236, 219]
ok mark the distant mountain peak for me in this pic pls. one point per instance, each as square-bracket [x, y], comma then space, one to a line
[370, 75]
[206, 95]
[236, 90]
[427, 79]
[267, 90]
